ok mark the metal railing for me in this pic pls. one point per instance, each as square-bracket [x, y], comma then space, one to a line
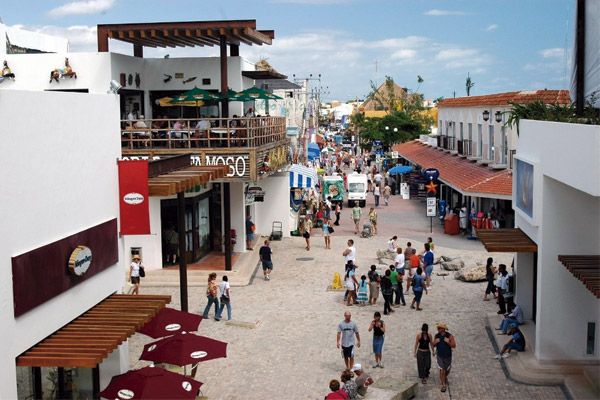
[500, 155]
[202, 133]
[451, 143]
[466, 149]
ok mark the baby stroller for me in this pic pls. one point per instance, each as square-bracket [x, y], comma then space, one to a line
[367, 231]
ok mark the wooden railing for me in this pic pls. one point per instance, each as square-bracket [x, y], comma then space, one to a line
[202, 133]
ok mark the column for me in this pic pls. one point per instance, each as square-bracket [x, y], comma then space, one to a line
[224, 84]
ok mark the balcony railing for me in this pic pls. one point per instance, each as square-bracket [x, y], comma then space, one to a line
[451, 143]
[466, 148]
[500, 156]
[164, 134]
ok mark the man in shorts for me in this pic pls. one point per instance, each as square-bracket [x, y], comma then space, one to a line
[444, 343]
[362, 380]
[428, 264]
[347, 330]
[265, 253]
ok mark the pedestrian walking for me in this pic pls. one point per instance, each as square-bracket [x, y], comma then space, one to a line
[356, 214]
[338, 212]
[423, 349]
[308, 224]
[135, 269]
[211, 295]
[444, 342]
[490, 272]
[378, 328]
[346, 332]
[414, 264]
[327, 233]
[373, 285]
[427, 260]
[265, 254]
[399, 267]
[225, 292]
[386, 291]
[418, 287]
[373, 219]
[363, 290]
[387, 191]
[351, 284]
[377, 194]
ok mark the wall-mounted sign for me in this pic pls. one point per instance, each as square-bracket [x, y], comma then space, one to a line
[80, 260]
[257, 192]
[431, 209]
[238, 164]
[133, 198]
[179, 75]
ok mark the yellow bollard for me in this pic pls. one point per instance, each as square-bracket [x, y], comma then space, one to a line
[337, 281]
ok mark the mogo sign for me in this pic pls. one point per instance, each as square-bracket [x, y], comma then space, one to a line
[80, 260]
[238, 164]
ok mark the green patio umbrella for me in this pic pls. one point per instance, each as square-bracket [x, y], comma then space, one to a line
[199, 96]
[255, 93]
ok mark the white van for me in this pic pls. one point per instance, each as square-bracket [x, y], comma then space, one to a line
[357, 189]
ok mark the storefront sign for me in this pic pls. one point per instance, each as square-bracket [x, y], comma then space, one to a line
[80, 260]
[133, 197]
[431, 206]
[257, 193]
[238, 164]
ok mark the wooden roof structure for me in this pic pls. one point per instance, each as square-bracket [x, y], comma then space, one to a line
[586, 268]
[91, 337]
[508, 240]
[181, 180]
[185, 34]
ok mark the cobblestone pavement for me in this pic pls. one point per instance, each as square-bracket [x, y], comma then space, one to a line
[292, 352]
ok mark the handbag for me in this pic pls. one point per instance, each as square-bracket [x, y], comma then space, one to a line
[331, 230]
[142, 272]
[224, 299]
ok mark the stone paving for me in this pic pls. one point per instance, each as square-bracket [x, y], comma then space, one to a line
[292, 352]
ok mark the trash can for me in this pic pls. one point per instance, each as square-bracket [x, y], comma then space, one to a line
[451, 224]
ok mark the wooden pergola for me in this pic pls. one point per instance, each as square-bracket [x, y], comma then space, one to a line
[181, 180]
[586, 268]
[230, 33]
[509, 240]
[87, 340]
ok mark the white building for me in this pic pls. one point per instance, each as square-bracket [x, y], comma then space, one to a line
[556, 198]
[59, 185]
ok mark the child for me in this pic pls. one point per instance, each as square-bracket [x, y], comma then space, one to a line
[363, 288]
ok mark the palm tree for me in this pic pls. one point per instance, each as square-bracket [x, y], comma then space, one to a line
[469, 84]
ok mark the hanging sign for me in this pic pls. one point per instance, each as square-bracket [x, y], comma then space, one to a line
[431, 174]
[133, 197]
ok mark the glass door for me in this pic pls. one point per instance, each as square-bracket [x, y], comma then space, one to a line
[203, 226]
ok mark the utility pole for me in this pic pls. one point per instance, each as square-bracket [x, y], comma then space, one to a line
[310, 95]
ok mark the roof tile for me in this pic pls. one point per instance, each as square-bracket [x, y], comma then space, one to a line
[503, 99]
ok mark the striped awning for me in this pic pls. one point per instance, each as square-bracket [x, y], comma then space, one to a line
[302, 177]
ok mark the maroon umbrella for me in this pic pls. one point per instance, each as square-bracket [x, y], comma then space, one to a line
[169, 321]
[151, 383]
[184, 349]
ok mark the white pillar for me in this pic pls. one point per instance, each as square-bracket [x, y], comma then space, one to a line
[238, 215]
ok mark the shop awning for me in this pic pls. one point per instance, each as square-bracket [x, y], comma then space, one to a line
[512, 240]
[180, 180]
[586, 269]
[91, 337]
[302, 177]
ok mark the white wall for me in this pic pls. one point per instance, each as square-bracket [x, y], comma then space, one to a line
[238, 214]
[58, 179]
[276, 206]
[567, 221]
[151, 244]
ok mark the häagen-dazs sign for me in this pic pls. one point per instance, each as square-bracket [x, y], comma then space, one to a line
[80, 260]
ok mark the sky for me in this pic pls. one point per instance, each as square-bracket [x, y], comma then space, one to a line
[504, 45]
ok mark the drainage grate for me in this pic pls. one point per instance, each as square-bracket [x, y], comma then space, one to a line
[304, 259]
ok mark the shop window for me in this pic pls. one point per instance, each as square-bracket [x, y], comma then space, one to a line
[206, 81]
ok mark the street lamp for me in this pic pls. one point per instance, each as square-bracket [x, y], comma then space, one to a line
[498, 116]
[486, 115]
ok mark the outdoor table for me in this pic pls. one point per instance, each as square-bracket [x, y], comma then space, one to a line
[222, 133]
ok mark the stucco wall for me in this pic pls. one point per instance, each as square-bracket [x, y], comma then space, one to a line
[566, 209]
[276, 206]
[59, 177]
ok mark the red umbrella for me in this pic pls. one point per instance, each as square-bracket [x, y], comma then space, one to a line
[151, 383]
[169, 321]
[184, 349]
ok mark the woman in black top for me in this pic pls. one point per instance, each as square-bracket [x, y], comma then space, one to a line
[423, 350]
[386, 291]
[490, 271]
[378, 328]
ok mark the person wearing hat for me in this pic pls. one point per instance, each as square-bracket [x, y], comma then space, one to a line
[363, 380]
[444, 343]
[516, 342]
[134, 273]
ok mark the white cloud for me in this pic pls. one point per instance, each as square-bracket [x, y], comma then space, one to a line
[435, 12]
[403, 54]
[463, 58]
[555, 52]
[82, 7]
[491, 28]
